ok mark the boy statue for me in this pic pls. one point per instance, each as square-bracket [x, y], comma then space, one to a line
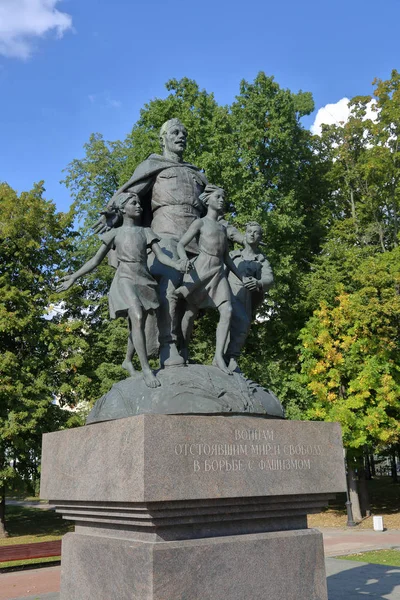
[206, 286]
[257, 277]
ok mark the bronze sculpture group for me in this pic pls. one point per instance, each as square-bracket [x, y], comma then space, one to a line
[165, 234]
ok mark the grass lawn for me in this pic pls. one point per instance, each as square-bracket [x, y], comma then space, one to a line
[27, 525]
[377, 557]
[31, 561]
[384, 496]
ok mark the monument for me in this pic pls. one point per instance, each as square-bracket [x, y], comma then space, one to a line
[187, 483]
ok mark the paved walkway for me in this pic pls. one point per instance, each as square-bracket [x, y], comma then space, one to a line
[348, 541]
[347, 580]
[32, 584]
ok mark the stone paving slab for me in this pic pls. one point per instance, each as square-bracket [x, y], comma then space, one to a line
[31, 583]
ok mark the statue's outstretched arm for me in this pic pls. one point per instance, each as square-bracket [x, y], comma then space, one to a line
[234, 234]
[89, 266]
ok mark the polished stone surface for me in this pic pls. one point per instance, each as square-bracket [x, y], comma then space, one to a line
[234, 567]
[159, 458]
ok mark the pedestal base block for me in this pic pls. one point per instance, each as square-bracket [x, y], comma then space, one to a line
[265, 566]
[185, 507]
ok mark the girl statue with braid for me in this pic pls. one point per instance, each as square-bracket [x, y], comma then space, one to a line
[133, 293]
[206, 286]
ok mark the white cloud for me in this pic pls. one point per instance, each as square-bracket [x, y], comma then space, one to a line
[338, 114]
[21, 21]
[331, 114]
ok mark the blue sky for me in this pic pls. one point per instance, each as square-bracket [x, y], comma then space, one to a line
[69, 68]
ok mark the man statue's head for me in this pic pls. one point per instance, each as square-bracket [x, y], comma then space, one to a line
[173, 137]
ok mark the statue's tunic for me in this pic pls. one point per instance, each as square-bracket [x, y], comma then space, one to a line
[175, 202]
[245, 302]
[256, 267]
[170, 198]
[132, 282]
[206, 286]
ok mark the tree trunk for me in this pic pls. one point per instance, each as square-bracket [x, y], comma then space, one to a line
[368, 469]
[362, 487]
[394, 467]
[353, 210]
[3, 532]
[353, 491]
[372, 465]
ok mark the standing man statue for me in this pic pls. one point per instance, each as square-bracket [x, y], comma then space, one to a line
[169, 189]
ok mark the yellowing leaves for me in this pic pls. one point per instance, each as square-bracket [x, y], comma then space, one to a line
[353, 366]
[320, 367]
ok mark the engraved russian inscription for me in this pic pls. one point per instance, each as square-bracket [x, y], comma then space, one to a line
[250, 450]
[254, 435]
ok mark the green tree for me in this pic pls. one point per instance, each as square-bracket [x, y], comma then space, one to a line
[350, 356]
[38, 352]
[349, 349]
[364, 156]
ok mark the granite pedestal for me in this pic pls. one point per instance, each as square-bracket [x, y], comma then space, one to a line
[177, 507]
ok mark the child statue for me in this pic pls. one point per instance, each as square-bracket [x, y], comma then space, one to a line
[247, 296]
[206, 286]
[133, 292]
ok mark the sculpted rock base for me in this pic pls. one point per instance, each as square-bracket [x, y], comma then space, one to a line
[195, 389]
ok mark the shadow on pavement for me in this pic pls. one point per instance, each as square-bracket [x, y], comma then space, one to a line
[350, 580]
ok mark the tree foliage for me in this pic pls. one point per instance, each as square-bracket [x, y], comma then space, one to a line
[351, 356]
[350, 347]
[38, 352]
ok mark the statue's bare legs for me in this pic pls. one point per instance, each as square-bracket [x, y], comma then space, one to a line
[130, 351]
[137, 322]
[239, 330]
[187, 328]
[225, 314]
